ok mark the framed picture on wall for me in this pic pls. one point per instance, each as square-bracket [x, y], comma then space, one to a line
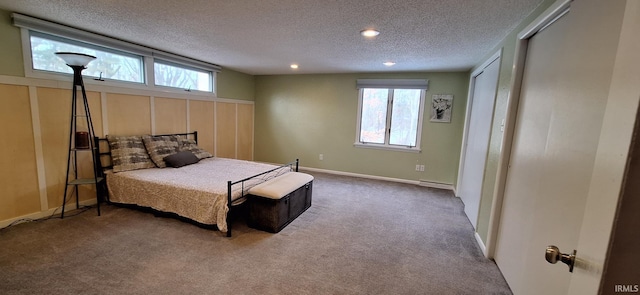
[441, 105]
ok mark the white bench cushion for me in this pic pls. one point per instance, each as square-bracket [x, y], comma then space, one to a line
[278, 187]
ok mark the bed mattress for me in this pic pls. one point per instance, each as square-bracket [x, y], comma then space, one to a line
[197, 191]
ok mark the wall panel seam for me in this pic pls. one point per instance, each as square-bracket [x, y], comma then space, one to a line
[152, 104]
[237, 135]
[103, 109]
[188, 115]
[215, 130]
[37, 142]
[253, 131]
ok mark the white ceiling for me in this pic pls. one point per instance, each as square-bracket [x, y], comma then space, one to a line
[322, 36]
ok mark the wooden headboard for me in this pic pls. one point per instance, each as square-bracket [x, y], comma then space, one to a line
[104, 151]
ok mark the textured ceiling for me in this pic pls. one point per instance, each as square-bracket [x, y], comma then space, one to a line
[322, 36]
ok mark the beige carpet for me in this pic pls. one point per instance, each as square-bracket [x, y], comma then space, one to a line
[359, 237]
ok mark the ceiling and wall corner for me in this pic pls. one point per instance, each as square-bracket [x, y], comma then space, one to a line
[266, 37]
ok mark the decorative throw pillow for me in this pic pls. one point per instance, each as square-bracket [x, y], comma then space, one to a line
[187, 144]
[159, 147]
[181, 159]
[128, 153]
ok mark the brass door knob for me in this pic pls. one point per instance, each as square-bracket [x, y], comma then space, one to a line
[553, 254]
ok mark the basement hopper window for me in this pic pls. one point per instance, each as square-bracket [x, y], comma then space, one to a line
[117, 61]
[390, 113]
[110, 64]
[179, 76]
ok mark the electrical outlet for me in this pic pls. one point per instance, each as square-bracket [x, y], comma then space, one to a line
[321, 157]
[417, 167]
[421, 168]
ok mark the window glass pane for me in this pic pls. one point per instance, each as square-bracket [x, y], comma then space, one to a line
[184, 78]
[374, 115]
[404, 117]
[110, 65]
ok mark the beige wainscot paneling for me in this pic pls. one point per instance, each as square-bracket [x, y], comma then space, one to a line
[55, 120]
[170, 115]
[85, 163]
[245, 131]
[201, 119]
[128, 114]
[19, 193]
[226, 130]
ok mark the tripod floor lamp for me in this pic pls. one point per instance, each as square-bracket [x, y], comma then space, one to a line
[80, 141]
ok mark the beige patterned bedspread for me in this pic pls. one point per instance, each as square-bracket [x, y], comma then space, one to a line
[198, 191]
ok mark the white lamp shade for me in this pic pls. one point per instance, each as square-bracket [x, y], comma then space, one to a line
[75, 59]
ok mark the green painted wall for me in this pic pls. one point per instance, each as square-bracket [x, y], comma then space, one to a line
[508, 46]
[302, 116]
[10, 47]
[231, 84]
[236, 85]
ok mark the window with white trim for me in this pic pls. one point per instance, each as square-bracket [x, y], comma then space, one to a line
[390, 113]
[116, 61]
[109, 64]
[172, 75]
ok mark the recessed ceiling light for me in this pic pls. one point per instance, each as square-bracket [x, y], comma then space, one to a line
[294, 66]
[389, 63]
[369, 33]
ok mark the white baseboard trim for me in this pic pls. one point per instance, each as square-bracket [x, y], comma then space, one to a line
[437, 185]
[33, 216]
[481, 244]
[399, 180]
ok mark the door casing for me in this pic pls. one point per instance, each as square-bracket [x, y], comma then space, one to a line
[495, 58]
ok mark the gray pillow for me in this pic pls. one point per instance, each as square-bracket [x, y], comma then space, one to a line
[159, 147]
[180, 159]
[128, 153]
[187, 144]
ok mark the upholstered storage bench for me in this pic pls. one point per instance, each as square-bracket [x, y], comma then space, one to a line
[273, 204]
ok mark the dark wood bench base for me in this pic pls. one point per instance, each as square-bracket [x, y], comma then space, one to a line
[272, 215]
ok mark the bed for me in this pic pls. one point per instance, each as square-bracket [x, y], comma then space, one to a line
[203, 191]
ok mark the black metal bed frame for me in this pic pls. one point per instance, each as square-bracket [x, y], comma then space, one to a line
[230, 183]
[242, 181]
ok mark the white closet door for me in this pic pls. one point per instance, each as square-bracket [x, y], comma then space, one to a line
[565, 86]
[477, 144]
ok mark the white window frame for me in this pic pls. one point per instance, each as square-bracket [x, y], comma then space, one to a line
[391, 84]
[79, 44]
[181, 66]
[28, 23]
